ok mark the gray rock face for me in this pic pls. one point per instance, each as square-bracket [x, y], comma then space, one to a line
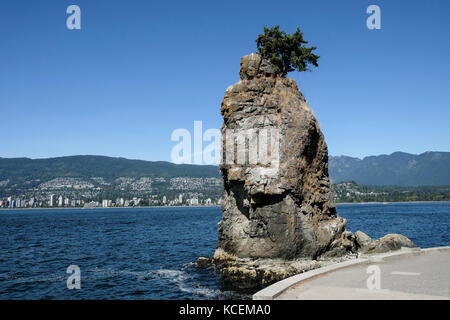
[279, 205]
[389, 242]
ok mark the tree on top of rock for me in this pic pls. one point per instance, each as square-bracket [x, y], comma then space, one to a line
[286, 52]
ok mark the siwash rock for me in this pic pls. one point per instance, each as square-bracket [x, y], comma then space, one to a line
[279, 218]
[281, 206]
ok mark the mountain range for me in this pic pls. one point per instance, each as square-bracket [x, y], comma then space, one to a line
[396, 169]
[19, 169]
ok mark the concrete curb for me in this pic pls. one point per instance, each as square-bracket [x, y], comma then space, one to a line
[438, 249]
[274, 290]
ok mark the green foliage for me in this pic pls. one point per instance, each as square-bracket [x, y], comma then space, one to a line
[21, 169]
[352, 192]
[286, 52]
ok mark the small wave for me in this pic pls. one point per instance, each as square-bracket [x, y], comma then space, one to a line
[182, 280]
[199, 290]
[18, 278]
[169, 273]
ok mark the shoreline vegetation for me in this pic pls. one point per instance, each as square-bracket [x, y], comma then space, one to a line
[212, 206]
[394, 202]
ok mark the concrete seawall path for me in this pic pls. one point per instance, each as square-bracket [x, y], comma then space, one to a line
[407, 274]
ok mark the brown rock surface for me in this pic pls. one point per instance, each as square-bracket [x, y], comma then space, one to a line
[282, 206]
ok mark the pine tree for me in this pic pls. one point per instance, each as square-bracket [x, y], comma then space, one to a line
[286, 52]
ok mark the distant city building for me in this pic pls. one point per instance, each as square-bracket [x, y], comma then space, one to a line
[10, 202]
[51, 201]
[92, 204]
[136, 201]
[67, 192]
[105, 203]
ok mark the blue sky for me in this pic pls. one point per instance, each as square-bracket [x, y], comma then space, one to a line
[137, 70]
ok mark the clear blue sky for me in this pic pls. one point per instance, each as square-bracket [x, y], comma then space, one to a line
[137, 70]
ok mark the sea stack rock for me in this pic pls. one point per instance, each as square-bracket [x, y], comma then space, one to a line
[280, 205]
[279, 218]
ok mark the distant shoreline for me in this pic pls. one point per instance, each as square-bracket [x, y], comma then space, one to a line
[79, 208]
[215, 206]
[393, 202]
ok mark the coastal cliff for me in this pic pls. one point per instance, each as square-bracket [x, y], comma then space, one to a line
[279, 217]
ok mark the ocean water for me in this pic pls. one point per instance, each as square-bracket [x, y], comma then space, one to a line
[148, 253]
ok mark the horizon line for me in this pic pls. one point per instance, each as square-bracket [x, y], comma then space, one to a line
[166, 161]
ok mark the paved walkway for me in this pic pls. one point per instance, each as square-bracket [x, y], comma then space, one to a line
[425, 275]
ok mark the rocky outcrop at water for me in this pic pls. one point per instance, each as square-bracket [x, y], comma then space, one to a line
[281, 205]
[279, 217]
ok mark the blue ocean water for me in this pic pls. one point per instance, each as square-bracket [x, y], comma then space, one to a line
[148, 253]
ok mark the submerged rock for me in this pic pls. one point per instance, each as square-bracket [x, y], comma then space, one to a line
[203, 263]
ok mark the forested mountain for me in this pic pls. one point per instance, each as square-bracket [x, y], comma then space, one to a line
[19, 169]
[396, 169]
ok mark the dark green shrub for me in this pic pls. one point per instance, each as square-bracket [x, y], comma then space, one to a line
[286, 52]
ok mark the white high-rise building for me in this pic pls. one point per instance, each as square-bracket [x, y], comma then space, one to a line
[164, 199]
[51, 201]
[60, 201]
